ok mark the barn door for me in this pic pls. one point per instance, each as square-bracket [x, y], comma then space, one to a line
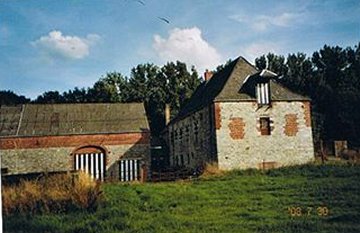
[91, 163]
[129, 169]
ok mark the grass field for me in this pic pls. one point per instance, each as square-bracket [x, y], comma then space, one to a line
[310, 198]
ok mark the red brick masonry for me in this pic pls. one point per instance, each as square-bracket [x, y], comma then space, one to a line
[217, 116]
[307, 115]
[291, 125]
[73, 140]
[236, 127]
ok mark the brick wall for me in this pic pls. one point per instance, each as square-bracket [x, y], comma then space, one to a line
[217, 116]
[291, 125]
[307, 113]
[236, 127]
[73, 140]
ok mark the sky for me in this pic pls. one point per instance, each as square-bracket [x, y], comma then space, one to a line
[61, 44]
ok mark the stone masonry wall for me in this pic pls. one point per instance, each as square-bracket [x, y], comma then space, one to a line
[31, 158]
[241, 145]
[191, 140]
[137, 151]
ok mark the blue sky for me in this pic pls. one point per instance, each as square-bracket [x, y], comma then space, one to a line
[59, 44]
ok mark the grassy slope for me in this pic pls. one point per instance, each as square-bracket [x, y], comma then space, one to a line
[241, 201]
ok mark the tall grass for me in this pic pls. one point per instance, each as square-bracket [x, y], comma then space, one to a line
[211, 170]
[56, 194]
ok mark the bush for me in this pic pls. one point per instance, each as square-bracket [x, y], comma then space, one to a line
[58, 193]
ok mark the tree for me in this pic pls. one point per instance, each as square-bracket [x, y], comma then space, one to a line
[10, 98]
[260, 62]
[172, 84]
[180, 84]
[113, 87]
[49, 97]
[299, 73]
[222, 66]
[75, 96]
[146, 86]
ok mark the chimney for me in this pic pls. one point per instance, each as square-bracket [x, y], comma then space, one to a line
[167, 114]
[207, 75]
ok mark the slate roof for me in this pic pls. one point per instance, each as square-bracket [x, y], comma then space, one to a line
[70, 119]
[228, 85]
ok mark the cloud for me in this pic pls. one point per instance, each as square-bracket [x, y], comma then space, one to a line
[187, 45]
[73, 47]
[263, 22]
[257, 49]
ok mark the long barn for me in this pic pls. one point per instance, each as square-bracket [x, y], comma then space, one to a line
[104, 140]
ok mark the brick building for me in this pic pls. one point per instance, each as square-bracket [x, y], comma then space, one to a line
[105, 140]
[241, 118]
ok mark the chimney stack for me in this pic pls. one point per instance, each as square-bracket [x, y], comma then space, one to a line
[207, 75]
[167, 114]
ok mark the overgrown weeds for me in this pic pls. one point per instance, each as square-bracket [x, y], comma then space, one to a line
[212, 169]
[55, 194]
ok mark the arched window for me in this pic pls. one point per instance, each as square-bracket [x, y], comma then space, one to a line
[92, 160]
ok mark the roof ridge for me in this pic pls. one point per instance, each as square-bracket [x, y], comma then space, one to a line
[253, 65]
[208, 91]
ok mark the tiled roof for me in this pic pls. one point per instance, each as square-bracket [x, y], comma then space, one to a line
[69, 119]
[228, 85]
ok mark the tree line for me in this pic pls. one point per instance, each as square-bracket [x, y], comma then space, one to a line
[330, 77]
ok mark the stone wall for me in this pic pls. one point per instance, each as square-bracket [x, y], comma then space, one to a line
[50, 154]
[23, 161]
[240, 143]
[192, 139]
[136, 151]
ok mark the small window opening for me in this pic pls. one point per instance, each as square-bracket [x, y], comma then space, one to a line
[265, 126]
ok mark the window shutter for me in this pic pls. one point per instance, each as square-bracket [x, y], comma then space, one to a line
[263, 93]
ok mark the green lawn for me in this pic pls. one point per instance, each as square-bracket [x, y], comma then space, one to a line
[240, 201]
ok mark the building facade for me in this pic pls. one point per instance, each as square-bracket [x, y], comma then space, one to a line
[242, 118]
[104, 140]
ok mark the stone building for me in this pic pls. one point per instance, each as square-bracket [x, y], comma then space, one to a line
[241, 118]
[105, 140]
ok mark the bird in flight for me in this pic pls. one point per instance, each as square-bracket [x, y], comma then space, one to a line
[165, 20]
[141, 2]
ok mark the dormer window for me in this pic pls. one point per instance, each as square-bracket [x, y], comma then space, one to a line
[258, 86]
[263, 93]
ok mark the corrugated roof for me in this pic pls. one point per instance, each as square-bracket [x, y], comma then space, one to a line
[228, 85]
[69, 119]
